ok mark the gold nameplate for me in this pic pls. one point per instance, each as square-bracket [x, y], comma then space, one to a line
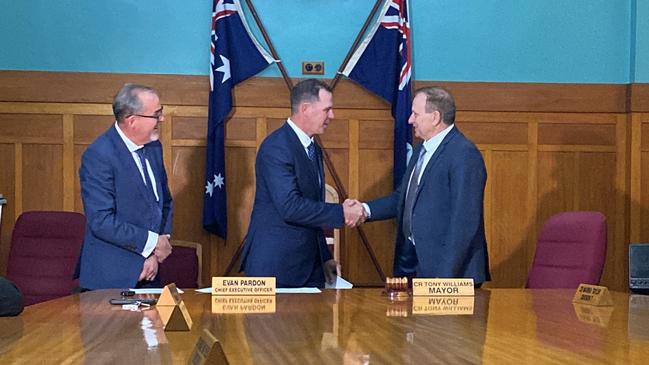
[442, 287]
[175, 317]
[226, 285]
[170, 295]
[443, 306]
[592, 295]
[599, 316]
[243, 304]
[208, 351]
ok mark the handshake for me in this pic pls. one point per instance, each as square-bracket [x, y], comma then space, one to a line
[355, 214]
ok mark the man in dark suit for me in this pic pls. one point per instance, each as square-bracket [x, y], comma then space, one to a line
[439, 203]
[285, 237]
[11, 299]
[125, 196]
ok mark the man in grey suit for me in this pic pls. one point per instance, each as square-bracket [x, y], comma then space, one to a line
[125, 196]
[439, 203]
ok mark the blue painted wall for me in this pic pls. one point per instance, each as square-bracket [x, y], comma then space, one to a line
[641, 48]
[470, 40]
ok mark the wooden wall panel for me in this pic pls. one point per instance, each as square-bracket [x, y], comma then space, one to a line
[547, 148]
[240, 172]
[598, 192]
[336, 135]
[509, 241]
[375, 177]
[189, 128]
[642, 203]
[31, 127]
[7, 188]
[88, 127]
[243, 129]
[188, 174]
[494, 132]
[576, 134]
[42, 179]
[78, 152]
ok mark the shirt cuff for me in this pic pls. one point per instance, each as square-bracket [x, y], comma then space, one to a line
[151, 242]
[367, 210]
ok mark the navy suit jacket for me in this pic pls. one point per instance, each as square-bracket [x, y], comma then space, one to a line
[120, 211]
[447, 218]
[285, 237]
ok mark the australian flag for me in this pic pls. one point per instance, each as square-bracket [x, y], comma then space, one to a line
[235, 55]
[383, 64]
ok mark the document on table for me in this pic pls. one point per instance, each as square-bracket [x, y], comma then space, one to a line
[297, 290]
[278, 290]
[340, 283]
[151, 291]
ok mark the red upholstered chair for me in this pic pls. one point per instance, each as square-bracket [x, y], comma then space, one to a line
[570, 250]
[44, 251]
[184, 266]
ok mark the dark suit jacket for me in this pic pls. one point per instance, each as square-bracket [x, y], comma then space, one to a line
[120, 211]
[11, 299]
[285, 238]
[448, 217]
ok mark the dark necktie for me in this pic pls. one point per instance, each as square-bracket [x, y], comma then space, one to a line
[310, 150]
[412, 194]
[141, 153]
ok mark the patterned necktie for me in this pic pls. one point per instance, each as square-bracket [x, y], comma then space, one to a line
[310, 150]
[411, 194]
[141, 153]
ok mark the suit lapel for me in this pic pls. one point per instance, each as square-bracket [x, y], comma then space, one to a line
[299, 151]
[406, 178]
[128, 163]
[154, 162]
[435, 158]
[320, 171]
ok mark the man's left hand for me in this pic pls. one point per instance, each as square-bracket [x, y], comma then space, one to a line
[330, 270]
[149, 269]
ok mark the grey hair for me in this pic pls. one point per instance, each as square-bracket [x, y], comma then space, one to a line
[127, 101]
[440, 99]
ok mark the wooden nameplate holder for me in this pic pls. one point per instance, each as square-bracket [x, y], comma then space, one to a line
[592, 295]
[208, 350]
[172, 310]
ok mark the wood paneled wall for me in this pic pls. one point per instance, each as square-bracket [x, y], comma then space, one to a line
[548, 148]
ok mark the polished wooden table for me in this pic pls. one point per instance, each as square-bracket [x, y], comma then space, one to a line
[358, 326]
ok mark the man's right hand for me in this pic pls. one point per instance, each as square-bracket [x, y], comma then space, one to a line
[354, 213]
[162, 248]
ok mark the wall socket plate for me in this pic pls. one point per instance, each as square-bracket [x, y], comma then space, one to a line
[313, 68]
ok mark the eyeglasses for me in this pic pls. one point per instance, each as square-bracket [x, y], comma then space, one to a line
[156, 116]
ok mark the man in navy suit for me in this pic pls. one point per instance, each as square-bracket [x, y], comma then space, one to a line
[439, 203]
[285, 238]
[125, 196]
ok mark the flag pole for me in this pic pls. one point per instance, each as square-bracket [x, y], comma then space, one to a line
[358, 39]
[282, 69]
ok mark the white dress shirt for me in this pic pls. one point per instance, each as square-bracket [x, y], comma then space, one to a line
[304, 139]
[152, 239]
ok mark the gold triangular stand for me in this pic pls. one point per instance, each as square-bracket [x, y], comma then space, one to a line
[172, 310]
[175, 317]
[170, 295]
